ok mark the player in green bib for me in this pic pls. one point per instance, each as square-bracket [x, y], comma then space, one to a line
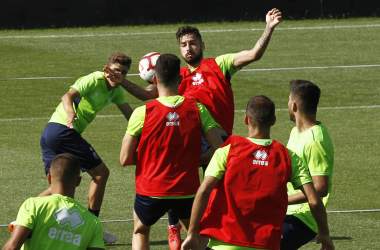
[57, 221]
[78, 109]
[311, 141]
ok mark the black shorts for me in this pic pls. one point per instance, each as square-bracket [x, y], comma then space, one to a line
[295, 233]
[57, 139]
[150, 210]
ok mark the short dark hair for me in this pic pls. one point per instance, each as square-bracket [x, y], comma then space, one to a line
[184, 30]
[307, 93]
[260, 111]
[167, 69]
[66, 168]
[119, 57]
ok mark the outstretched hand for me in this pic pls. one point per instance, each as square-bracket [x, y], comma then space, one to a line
[273, 18]
[113, 76]
[327, 243]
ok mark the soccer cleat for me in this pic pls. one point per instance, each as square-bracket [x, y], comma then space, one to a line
[11, 226]
[175, 237]
[109, 238]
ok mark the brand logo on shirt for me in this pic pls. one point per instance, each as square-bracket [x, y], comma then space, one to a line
[172, 117]
[260, 156]
[64, 216]
[197, 79]
[95, 95]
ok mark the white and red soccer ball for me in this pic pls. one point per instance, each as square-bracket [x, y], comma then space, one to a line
[147, 66]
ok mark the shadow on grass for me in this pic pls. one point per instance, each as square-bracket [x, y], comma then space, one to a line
[152, 243]
[157, 243]
[337, 238]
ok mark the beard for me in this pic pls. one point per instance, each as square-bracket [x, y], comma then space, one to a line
[194, 60]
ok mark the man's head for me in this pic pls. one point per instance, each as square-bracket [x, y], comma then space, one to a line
[167, 70]
[190, 44]
[260, 112]
[120, 63]
[303, 98]
[65, 170]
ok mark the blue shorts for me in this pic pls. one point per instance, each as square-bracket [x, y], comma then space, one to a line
[57, 139]
[150, 210]
[295, 233]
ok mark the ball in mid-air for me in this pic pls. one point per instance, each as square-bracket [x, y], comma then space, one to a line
[147, 66]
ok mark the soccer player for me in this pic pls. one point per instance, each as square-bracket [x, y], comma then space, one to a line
[208, 81]
[168, 133]
[78, 108]
[242, 201]
[57, 221]
[311, 141]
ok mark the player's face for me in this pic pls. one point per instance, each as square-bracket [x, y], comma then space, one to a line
[290, 106]
[191, 49]
[121, 69]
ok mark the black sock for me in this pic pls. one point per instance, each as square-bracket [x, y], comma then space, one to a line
[94, 212]
[173, 219]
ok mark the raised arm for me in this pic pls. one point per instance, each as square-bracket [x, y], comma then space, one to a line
[18, 237]
[144, 94]
[126, 109]
[319, 213]
[243, 58]
[67, 100]
[128, 153]
[199, 207]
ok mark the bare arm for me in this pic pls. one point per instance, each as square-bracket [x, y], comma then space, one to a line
[321, 184]
[243, 58]
[18, 237]
[67, 100]
[199, 207]
[144, 94]
[212, 137]
[319, 213]
[126, 109]
[128, 153]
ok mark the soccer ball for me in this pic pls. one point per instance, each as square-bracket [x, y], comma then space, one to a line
[147, 66]
[11, 226]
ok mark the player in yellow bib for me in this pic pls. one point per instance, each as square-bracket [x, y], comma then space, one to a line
[57, 221]
[311, 141]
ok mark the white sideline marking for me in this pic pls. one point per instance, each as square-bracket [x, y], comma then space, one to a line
[203, 31]
[238, 111]
[329, 212]
[273, 69]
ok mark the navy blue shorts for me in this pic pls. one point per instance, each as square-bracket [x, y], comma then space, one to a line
[295, 233]
[57, 139]
[150, 210]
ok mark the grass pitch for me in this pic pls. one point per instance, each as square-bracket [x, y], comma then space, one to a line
[310, 50]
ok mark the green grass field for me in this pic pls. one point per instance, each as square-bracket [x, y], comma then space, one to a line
[349, 107]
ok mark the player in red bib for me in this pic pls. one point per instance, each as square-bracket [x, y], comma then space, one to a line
[208, 82]
[168, 133]
[243, 199]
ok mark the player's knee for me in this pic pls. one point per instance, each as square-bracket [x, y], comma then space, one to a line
[100, 174]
